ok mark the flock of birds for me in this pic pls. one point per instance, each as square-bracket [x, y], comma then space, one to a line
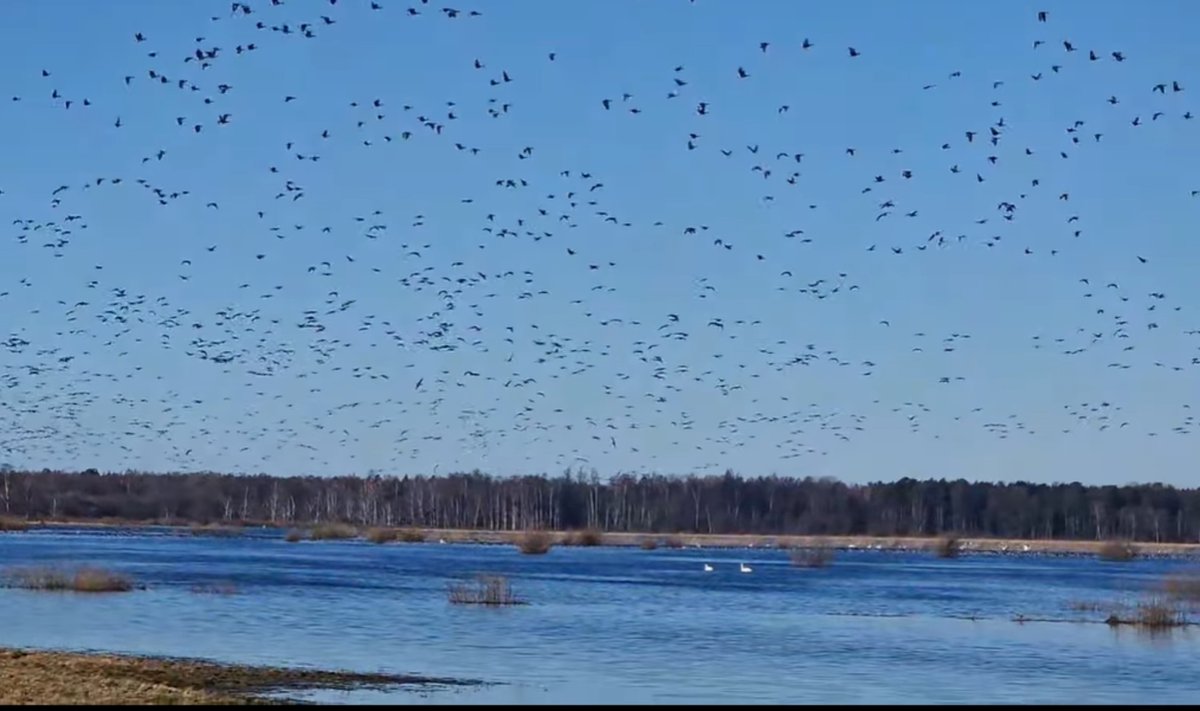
[320, 334]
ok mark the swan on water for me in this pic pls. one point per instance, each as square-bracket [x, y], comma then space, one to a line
[744, 568]
[708, 568]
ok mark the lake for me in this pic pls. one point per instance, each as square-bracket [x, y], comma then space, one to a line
[618, 625]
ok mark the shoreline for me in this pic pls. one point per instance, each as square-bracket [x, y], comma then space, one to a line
[1011, 546]
[37, 676]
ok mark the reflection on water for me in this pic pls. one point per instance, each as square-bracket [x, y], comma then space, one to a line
[618, 625]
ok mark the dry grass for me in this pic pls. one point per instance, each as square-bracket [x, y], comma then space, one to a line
[332, 532]
[382, 535]
[216, 529]
[490, 590]
[588, 538]
[93, 679]
[294, 536]
[1155, 614]
[535, 542]
[87, 580]
[648, 544]
[412, 535]
[673, 542]
[12, 525]
[1117, 551]
[947, 547]
[812, 557]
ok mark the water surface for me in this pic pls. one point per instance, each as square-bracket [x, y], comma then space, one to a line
[617, 624]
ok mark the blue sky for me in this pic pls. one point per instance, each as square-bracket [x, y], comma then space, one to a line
[797, 379]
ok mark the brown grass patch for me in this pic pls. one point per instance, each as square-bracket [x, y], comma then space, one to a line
[648, 544]
[588, 538]
[535, 542]
[12, 525]
[332, 532]
[673, 542]
[294, 536]
[382, 535]
[29, 677]
[490, 590]
[412, 535]
[88, 580]
[1117, 551]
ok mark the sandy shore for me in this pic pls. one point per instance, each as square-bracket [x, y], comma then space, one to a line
[702, 540]
[43, 677]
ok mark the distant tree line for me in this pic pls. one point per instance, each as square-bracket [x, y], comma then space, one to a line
[626, 502]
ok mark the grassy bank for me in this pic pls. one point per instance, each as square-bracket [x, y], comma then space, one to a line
[37, 677]
[931, 544]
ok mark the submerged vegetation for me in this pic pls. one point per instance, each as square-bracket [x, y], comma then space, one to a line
[216, 529]
[215, 589]
[947, 547]
[1185, 587]
[818, 557]
[490, 590]
[84, 580]
[1156, 613]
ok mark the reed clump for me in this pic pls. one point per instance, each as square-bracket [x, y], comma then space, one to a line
[412, 535]
[332, 532]
[489, 590]
[812, 557]
[591, 538]
[1117, 551]
[674, 542]
[216, 529]
[535, 542]
[648, 544]
[947, 547]
[1155, 613]
[382, 535]
[12, 525]
[84, 580]
[587, 538]
[294, 536]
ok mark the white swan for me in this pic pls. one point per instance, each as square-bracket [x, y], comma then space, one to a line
[745, 568]
[708, 568]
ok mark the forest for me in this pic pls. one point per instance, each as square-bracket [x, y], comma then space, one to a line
[651, 503]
